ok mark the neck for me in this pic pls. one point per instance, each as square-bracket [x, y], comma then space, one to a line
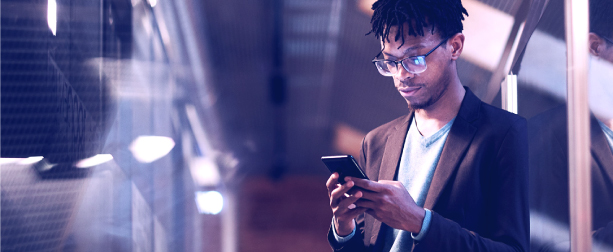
[429, 120]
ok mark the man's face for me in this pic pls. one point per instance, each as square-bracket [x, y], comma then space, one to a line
[426, 88]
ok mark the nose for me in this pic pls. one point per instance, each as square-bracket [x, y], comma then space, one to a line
[403, 74]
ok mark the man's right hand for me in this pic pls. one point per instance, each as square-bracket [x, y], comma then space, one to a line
[343, 204]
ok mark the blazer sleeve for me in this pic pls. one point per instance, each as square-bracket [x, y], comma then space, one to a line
[507, 217]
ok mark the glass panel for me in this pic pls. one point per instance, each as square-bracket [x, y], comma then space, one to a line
[542, 99]
[600, 45]
[104, 142]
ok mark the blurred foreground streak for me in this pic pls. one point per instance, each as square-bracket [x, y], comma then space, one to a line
[98, 149]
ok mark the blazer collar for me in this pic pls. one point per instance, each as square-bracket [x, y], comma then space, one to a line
[460, 136]
[393, 149]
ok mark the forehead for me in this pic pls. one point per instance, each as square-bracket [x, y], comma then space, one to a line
[411, 43]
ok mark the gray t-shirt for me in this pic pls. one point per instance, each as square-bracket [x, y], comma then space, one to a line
[420, 155]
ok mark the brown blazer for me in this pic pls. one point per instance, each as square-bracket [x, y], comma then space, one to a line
[479, 192]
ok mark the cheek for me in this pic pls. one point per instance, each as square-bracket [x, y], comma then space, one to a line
[609, 55]
[397, 82]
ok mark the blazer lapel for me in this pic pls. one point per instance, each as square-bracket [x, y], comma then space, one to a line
[601, 151]
[389, 162]
[393, 150]
[459, 138]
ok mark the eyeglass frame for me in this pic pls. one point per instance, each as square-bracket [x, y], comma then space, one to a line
[607, 39]
[396, 62]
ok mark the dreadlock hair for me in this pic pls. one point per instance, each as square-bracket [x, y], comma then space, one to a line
[601, 18]
[445, 15]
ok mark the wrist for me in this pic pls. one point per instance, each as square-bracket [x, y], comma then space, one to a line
[344, 228]
[419, 215]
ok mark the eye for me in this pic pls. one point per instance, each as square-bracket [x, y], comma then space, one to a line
[415, 61]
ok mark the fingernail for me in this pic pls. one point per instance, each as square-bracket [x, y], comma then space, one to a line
[358, 194]
[352, 206]
[350, 183]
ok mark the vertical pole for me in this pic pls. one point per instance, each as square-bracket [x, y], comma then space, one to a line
[330, 54]
[509, 93]
[229, 222]
[278, 94]
[576, 12]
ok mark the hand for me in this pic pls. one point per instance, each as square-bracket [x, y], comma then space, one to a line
[343, 205]
[389, 202]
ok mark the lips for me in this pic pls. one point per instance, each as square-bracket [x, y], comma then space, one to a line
[408, 91]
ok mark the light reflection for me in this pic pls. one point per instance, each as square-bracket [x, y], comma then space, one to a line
[147, 149]
[31, 160]
[204, 171]
[95, 160]
[555, 235]
[153, 3]
[210, 202]
[52, 16]
[10, 160]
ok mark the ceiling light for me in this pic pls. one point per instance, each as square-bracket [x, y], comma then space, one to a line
[147, 149]
[210, 202]
[52, 16]
[31, 160]
[95, 160]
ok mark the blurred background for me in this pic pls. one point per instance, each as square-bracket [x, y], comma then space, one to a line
[198, 125]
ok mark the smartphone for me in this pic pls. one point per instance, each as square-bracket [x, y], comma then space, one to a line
[345, 165]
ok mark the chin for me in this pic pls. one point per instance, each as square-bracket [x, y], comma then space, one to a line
[420, 105]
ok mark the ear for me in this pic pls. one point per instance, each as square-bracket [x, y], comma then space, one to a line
[456, 45]
[595, 42]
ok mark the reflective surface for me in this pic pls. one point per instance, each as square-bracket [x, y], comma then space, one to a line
[543, 74]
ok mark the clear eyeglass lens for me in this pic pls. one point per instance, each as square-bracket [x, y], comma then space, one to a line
[386, 68]
[415, 64]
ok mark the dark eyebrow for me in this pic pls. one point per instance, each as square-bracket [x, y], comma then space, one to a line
[412, 48]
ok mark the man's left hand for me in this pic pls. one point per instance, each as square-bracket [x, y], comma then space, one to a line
[389, 202]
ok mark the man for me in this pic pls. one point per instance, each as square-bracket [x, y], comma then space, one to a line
[549, 198]
[452, 175]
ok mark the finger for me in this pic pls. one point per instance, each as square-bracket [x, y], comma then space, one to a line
[369, 195]
[368, 185]
[350, 214]
[364, 203]
[353, 213]
[347, 213]
[354, 190]
[349, 201]
[332, 182]
[337, 194]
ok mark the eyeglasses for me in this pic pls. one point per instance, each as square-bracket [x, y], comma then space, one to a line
[413, 64]
[605, 38]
